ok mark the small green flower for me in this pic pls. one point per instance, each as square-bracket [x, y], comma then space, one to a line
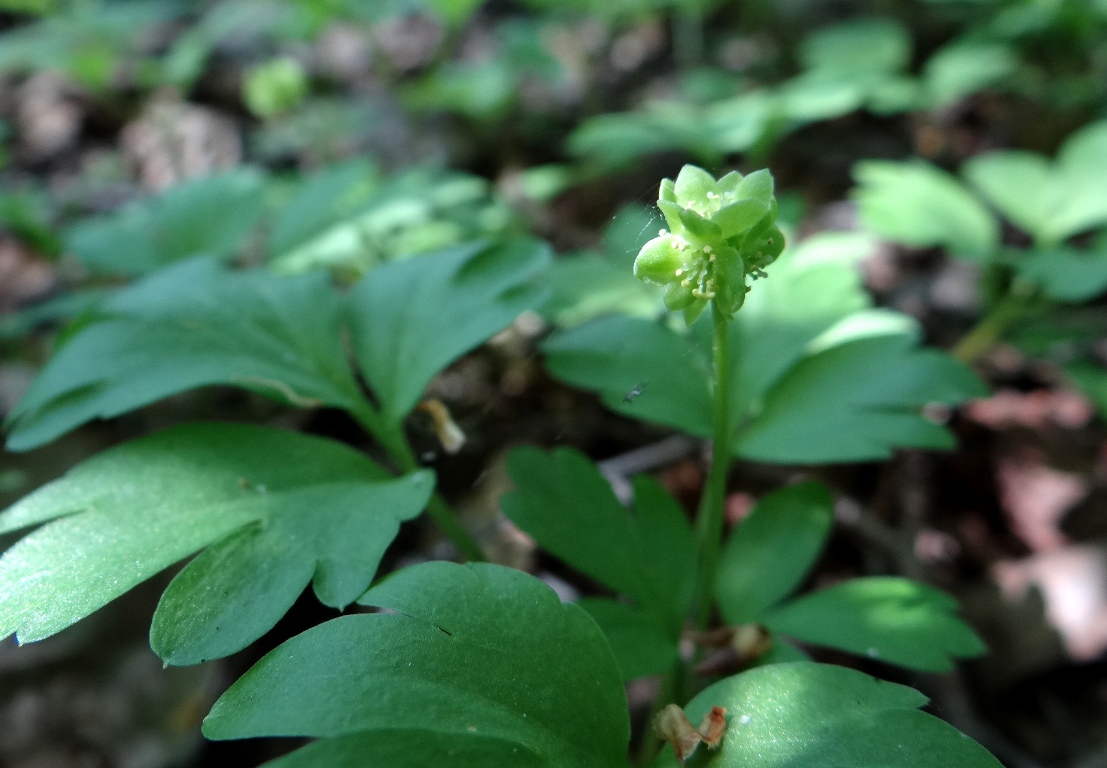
[720, 232]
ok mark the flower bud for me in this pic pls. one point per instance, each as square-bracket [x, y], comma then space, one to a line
[658, 261]
[678, 297]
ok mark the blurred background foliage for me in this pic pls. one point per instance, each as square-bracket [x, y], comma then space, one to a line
[963, 140]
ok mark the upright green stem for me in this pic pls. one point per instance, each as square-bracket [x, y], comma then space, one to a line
[989, 330]
[709, 530]
[393, 441]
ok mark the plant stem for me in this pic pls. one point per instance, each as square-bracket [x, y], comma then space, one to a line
[989, 330]
[709, 524]
[392, 439]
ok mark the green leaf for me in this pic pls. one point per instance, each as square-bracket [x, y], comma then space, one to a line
[1066, 274]
[210, 216]
[642, 645]
[770, 552]
[813, 287]
[858, 47]
[410, 319]
[191, 325]
[887, 618]
[817, 375]
[616, 354]
[474, 666]
[917, 204]
[1019, 184]
[963, 68]
[319, 203]
[805, 715]
[279, 509]
[563, 501]
[857, 401]
[1050, 201]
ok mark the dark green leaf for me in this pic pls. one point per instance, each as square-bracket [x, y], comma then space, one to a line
[642, 644]
[209, 216]
[887, 618]
[192, 325]
[277, 508]
[615, 354]
[1065, 274]
[857, 401]
[412, 318]
[475, 666]
[770, 552]
[805, 715]
[563, 501]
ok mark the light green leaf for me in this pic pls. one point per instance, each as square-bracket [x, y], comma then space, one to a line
[319, 203]
[1050, 201]
[475, 666]
[812, 288]
[858, 47]
[642, 644]
[563, 501]
[191, 325]
[249, 492]
[917, 204]
[963, 68]
[883, 617]
[770, 552]
[410, 319]
[805, 715]
[210, 216]
[1019, 184]
[856, 402]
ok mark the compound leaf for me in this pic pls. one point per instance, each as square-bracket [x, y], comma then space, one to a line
[804, 715]
[771, 551]
[193, 324]
[277, 508]
[563, 501]
[856, 401]
[209, 216]
[816, 374]
[917, 204]
[888, 618]
[474, 666]
[410, 319]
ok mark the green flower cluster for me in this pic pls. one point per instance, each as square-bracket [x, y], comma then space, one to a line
[720, 232]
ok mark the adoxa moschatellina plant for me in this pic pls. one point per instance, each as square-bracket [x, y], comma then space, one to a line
[722, 233]
[466, 666]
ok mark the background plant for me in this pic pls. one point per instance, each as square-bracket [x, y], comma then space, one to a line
[216, 220]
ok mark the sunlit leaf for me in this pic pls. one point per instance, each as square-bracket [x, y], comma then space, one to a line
[805, 715]
[194, 324]
[474, 666]
[888, 618]
[771, 551]
[277, 509]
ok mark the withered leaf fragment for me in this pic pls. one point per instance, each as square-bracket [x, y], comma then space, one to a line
[674, 727]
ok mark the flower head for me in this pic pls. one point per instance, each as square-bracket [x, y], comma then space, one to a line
[720, 232]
